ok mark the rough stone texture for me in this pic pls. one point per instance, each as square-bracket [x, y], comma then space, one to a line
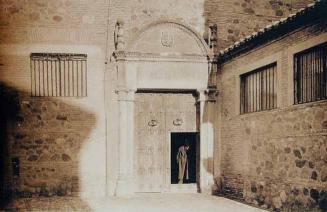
[61, 142]
[236, 19]
[279, 155]
[48, 148]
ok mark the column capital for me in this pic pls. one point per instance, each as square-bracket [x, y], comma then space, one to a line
[127, 95]
[207, 95]
[202, 95]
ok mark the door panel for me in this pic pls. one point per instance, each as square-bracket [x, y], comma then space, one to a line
[156, 116]
[149, 143]
[180, 113]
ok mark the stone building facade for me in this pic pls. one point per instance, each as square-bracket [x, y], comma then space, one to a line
[149, 67]
[273, 158]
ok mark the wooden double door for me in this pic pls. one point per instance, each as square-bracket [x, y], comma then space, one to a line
[157, 115]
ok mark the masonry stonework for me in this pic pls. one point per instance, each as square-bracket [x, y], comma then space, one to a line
[275, 159]
[54, 138]
[47, 139]
[69, 146]
[232, 17]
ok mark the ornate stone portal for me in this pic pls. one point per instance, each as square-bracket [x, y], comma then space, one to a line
[164, 56]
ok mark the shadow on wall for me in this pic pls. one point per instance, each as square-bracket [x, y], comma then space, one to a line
[40, 143]
[8, 110]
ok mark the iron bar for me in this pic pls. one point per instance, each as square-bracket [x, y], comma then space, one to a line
[258, 89]
[53, 75]
[310, 74]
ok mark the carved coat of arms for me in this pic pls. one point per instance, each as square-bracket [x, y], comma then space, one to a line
[167, 39]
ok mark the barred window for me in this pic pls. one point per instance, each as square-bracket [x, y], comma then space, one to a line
[61, 75]
[259, 89]
[310, 74]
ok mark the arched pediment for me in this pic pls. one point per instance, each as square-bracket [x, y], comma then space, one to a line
[168, 38]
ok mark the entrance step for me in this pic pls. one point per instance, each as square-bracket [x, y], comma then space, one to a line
[184, 188]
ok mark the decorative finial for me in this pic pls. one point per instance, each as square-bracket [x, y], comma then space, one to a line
[213, 37]
[119, 35]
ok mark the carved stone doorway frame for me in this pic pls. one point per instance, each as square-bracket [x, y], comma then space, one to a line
[175, 69]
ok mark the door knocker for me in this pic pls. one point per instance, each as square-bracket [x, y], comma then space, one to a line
[153, 123]
[178, 122]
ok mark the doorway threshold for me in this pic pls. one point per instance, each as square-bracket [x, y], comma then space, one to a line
[183, 188]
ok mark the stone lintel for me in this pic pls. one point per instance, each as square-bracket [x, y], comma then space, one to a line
[162, 57]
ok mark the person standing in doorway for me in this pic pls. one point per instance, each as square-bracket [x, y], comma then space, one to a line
[182, 162]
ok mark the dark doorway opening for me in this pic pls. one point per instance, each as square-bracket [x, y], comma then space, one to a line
[177, 140]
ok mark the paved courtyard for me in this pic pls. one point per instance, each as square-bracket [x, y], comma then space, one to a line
[139, 203]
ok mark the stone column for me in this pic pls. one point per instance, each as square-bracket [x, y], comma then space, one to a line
[125, 183]
[206, 145]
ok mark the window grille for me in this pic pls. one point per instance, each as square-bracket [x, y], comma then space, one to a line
[259, 89]
[58, 75]
[310, 74]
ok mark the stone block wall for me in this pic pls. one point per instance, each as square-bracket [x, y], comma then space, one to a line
[235, 19]
[275, 159]
[47, 137]
[69, 143]
[59, 141]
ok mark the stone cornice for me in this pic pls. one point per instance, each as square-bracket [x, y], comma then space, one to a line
[163, 57]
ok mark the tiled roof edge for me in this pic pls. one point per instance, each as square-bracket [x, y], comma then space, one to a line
[314, 10]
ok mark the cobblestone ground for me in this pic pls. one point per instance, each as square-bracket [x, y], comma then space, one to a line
[139, 203]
